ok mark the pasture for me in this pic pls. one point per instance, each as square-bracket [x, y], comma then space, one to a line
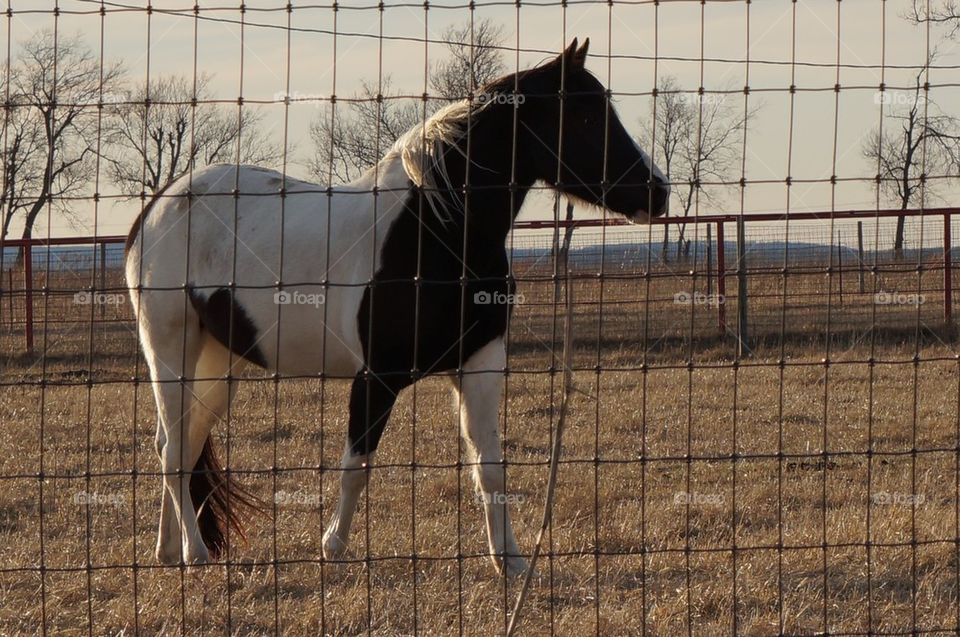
[809, 487]
[762, 403]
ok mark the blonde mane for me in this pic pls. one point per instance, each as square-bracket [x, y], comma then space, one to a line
[421, 149]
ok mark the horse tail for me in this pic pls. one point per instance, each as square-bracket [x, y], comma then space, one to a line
[220, 503]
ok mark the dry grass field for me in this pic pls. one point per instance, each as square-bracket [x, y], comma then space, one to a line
[800, 490]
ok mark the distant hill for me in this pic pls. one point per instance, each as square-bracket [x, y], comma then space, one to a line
[614, 254]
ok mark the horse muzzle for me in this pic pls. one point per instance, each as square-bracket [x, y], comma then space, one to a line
[658, 203]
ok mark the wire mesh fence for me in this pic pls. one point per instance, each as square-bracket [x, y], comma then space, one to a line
[761, 408]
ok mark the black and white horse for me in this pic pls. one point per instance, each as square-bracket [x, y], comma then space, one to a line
[384, 280]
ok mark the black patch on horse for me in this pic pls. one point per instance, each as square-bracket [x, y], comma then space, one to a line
[428, 308]
[420, 315]
[228, 322]
[414, 325]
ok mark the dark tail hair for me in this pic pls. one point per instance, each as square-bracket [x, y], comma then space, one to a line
[219, 503]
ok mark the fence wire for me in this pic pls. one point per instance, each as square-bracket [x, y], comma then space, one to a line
[764, 434]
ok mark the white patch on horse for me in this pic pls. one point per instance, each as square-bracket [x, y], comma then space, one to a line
[239, 239]
[479, 394]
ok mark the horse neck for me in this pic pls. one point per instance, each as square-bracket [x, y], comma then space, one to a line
[492, 203]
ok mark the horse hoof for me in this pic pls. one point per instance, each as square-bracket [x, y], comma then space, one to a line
[197, 557]
[333, 547]
[168, 553]
[172, 558]
[512, 566]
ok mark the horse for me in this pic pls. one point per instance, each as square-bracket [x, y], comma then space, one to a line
[400, 274]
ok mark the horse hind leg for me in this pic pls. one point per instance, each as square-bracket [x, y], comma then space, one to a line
[190, 371]
[171, 353]
[216, 500]
[168, 534]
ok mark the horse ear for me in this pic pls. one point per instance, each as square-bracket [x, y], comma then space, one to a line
[580, 56]
[569, 54]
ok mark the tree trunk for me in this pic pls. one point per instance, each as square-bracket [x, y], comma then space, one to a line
[46, 185]
[567, 236]
[665, 248]
[906, 188]
[7, 218]
[901, 223]
[31, 218]
[898, 238]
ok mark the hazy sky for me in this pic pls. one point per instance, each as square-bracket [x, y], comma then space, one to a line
[664, 41]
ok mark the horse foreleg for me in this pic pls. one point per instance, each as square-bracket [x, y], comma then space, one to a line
[371, 400]
[352, 481]
[480, 392]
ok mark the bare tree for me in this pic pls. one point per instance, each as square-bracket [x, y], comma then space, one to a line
[22, 146]
[695, 138]
[53, 118]
[474, 59]
[171, 127]
[670, 128]
[920, 141]
[350, 138]
[945, 13]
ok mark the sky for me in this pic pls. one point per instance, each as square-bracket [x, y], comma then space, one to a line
[632, 44]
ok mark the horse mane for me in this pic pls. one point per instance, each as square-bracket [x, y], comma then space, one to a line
[421, 152]
[421, 149]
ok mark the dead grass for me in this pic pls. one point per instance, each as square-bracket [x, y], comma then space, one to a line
[697, 495]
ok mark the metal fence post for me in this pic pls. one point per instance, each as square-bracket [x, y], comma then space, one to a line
[840, 267]
[743, 332]
[860, 254]
[709, 259]
[10, 298]
[103, 274]
[721, 281]
[947, 270]
[28, 294]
